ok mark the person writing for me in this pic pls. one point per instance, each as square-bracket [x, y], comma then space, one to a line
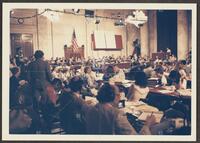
[105, 118]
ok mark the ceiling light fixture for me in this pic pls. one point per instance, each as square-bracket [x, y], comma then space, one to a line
[52, 15]
[138, 18]
[76, 11]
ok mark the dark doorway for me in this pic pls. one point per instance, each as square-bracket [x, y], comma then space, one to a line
[25, 41]
[167, 30]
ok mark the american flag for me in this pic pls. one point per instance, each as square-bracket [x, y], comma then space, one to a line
[74, 42]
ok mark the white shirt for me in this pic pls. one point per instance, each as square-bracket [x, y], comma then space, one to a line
[136, 92]
[119, 77]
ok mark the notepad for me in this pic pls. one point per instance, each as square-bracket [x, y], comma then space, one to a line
[144, 116]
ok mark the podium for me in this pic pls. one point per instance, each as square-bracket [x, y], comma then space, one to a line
[69, 52]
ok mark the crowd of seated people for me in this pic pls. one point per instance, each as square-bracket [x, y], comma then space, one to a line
[56, 90]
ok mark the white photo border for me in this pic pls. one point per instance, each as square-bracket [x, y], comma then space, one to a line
[146, 6]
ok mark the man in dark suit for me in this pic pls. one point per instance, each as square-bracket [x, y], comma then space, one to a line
[137, 49]
[71, 103]
[39, 76]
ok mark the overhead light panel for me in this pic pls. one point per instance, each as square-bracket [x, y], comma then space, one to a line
[89, 13]
[119, 22]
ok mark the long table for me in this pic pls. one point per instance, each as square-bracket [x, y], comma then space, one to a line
[164, 99]
[130, 107]
[124, 65]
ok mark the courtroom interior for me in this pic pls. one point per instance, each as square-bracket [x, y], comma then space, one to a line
[100, 71]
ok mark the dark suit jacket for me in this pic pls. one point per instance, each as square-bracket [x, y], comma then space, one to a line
[39, 73]
[103, 119]
[14, 84]
[39, 76]
[71, 115]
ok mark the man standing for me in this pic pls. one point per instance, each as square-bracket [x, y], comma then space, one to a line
[137, 49]
[39, 75]
[19, 56]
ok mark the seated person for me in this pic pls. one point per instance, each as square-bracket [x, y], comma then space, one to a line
[119, 75]
[172, 58]
[71, 116]
[184, 75]
[56, 72]
[175, 82]
[19, 122]
[54, 90]
[50, 108]
[149, 70]
[108, 73]
[26, 119]
[157, 60]
[104, 118]
[139, 89]
[66, 74]
[12, 63]
[90, 77]
[159, 73]
[79, 71]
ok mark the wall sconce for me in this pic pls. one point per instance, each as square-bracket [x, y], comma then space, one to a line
[20, 20]
[97, 20]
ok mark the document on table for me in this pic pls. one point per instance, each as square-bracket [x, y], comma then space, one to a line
[153, 78]
[165, 91]
[127, 83]
[185, 92]
[131, 103]
[158, 116]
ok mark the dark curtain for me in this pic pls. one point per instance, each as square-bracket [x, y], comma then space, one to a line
[167, 30]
